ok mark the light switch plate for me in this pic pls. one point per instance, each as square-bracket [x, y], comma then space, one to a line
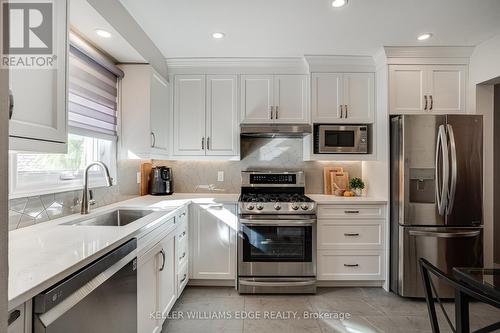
[138, 178]
[220, 176]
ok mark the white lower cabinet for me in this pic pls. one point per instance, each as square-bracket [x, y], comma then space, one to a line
[351, 242]
[182, 252]
[156, 285]
[213, 238]
[20, 319]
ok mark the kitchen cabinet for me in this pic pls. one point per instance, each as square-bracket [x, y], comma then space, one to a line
[20, 318]
[213, 229]
[427, 89]
[275, 99]
[39, 112]
[156, 284]
[205, 115]
[145, 111]
[343, 97]
[351, 242]
[182, 251]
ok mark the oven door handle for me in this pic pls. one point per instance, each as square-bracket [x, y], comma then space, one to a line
[277, 284]
[278, 223]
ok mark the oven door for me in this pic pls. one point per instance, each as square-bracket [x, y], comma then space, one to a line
[342, 139]
[277, 247]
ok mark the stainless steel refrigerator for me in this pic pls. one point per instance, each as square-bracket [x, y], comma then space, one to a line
[436, 197]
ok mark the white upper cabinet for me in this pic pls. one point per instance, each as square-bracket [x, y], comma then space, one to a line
[144, 106]
[257, 98]
[275, 99]
[291, 98]
[427, 88]
[189, 115]
[343, 97]
[222, 115]
[206, 115]
[39, 117]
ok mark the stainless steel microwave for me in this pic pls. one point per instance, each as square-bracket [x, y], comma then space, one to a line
[341, 139]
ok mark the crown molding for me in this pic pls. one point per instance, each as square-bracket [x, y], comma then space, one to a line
[428, 54]
[340, 63]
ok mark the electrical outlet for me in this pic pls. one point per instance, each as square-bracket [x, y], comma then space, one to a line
[138, 178]
[220, 176]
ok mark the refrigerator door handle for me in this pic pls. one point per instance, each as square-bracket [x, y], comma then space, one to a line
[442, 150]
[453, 185]
[445, 234]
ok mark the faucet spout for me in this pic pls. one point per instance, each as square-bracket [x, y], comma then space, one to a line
[85, 209]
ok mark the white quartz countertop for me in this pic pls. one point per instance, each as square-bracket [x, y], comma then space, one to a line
[332, 199]
[43, 254]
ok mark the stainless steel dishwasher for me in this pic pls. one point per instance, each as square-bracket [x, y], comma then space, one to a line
[101, 297]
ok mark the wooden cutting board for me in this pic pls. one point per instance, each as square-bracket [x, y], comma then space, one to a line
[145, 174]
[328, 174]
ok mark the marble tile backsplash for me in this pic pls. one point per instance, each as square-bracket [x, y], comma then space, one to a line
[256, 153]
[24, 212]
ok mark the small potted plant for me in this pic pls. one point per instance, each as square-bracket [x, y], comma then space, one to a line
[356, 185]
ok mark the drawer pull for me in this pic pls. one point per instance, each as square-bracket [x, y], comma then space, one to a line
[183, 255]
[351, 265]
[13, 316]
[184, 278]
[351, 211]
[351, 234]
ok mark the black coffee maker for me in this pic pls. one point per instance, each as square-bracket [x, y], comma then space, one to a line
[161, 181]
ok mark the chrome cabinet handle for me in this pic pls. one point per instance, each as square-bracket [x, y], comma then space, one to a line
[341, 111]
[163, 258]
[351, 211]
[276, 114]
[425, 97]
[153, 141]
[347, 234]
[345, 109]
[432, 103]
[183, 255]
[271, 108]
[184, 278]
[203, 143]
[216, 206]
[351, 265]
[11, 104]
[208, 143]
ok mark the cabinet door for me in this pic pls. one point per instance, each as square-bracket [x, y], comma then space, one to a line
[214, 242]
[291, 98]
[148, 290]
[447, 89]
[40, 95]
[256, 98]
[189, 115]
[222, 115]
[326, 97]
[167, 280]
[407, 89]
[159, 108]
[359, 97]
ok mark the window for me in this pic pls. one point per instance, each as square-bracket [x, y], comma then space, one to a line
[47, 173]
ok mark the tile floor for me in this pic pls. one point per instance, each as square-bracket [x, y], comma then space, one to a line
[371, 310]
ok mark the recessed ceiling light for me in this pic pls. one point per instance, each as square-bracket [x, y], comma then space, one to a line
[339, 3]
[424, 36]
[103, 33]
[218, 35]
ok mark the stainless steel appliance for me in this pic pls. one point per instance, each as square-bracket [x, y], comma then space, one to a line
[161, 181]
[436, 197]
[277, 234]
[275, 130]
[341, 139]
[101, 297]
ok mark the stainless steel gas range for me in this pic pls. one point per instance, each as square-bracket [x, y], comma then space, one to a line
[277, 234]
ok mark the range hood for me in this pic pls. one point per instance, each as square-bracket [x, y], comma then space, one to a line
[276, 130]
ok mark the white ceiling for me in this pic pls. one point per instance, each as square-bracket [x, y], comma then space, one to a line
[292, 28]
[85, 19]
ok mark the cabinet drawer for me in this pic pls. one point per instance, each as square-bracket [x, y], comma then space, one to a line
[181, 216]
[350, 235]
[351, 211]
[350, 265]
[182, 278]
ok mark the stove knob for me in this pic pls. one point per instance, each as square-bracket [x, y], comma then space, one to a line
[250, 206]
[259, 206]
[294, 206]
[304, 206]
[277, 206]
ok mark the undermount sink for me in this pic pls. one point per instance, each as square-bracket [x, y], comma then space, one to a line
[116, 218]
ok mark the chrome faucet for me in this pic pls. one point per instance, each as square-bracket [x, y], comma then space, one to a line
[86, 203]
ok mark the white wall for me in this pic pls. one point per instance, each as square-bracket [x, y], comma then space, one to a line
[484, 71]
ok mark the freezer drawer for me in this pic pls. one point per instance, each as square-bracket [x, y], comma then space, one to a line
[443, 247]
